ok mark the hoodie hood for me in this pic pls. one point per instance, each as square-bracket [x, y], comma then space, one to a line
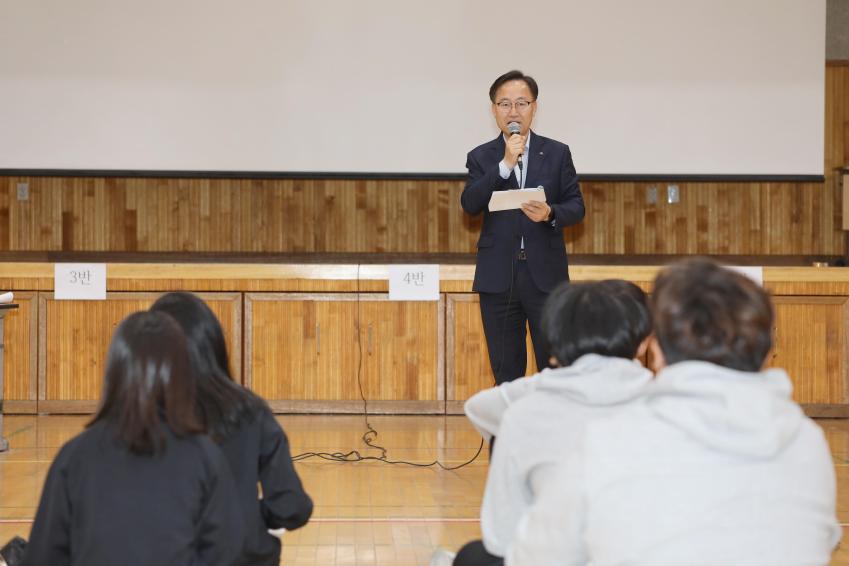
[597, 380]
[747, 414]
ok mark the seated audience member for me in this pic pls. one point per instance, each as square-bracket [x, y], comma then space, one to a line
[716, 465]
[248, 434]
[142, 484]
[595, 330]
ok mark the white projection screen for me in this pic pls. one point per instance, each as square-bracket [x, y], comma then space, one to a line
[642, 87]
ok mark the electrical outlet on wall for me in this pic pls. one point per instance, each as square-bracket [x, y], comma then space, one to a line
[672, 195]
[23, 191]
[651, 195]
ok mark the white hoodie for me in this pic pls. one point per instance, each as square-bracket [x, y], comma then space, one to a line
[713, 466]
[537, 421]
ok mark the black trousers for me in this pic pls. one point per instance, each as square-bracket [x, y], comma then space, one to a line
[474, 554]
[504, 317]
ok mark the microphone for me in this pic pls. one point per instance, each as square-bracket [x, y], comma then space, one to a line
[514, 128]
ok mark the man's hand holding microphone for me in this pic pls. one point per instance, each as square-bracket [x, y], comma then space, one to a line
[513, 150]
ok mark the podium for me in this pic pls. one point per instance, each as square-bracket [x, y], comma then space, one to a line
[4, 444]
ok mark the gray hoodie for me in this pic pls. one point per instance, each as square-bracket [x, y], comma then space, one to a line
[538, 421]
[712, 466]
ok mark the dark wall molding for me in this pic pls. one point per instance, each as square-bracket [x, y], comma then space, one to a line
[323, 175]
[386, 258]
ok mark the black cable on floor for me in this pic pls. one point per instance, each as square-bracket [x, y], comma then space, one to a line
[371, 433]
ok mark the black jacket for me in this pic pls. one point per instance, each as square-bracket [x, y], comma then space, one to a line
[550, 166]
[103, 505]
[258, 453]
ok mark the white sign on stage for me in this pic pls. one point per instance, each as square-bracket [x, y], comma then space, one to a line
[414, 282]
[755, 273]
[79, 281]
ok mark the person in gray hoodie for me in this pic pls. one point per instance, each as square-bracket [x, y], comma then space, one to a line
[716, 465]
[595, 332]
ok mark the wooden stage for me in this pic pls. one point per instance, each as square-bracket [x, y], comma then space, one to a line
[306, 336]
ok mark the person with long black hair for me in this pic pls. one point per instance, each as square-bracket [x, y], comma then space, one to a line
[142, 484]
[247, 432]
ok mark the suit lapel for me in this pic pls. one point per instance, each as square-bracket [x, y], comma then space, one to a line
[536, 159]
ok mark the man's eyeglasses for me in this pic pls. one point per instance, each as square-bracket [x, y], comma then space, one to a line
[521, 105]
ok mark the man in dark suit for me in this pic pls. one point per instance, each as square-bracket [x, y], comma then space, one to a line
[521, 253]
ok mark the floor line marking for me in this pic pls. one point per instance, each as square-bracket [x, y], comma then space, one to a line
[396, 520]
[345, 520]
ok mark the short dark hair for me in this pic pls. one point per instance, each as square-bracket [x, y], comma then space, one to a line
[148, 380]
[705, 312]
[609, 318]
[513, 76]
[223, 404]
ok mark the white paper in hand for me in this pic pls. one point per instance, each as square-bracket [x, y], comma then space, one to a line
[514, 198]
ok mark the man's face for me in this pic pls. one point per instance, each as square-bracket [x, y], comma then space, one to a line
[506, 110]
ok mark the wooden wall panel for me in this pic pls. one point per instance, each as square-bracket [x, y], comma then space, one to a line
[302, 351]
[300, 347]
[401, 349]
[815, 358]
[468, 367]
[76, 337]
[406, 217]
[150, 215]
[19, 356]
[308, 350]
[468, 361]
[836, 117]
[711, 218]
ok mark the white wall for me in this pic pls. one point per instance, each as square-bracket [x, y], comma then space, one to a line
[643, 86]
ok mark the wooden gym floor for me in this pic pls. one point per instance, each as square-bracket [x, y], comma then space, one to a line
[366, 513]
